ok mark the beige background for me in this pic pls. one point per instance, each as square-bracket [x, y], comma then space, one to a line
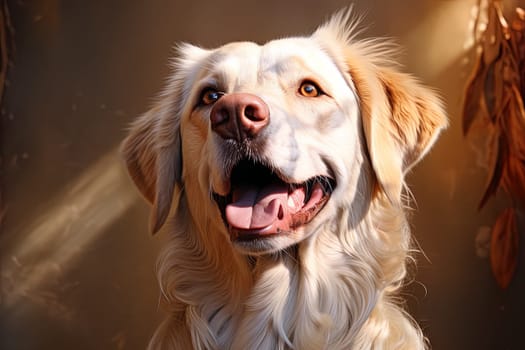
[77, 263]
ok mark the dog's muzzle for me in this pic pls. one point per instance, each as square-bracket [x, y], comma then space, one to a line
[260, 203]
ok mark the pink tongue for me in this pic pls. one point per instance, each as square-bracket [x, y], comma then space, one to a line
[259, 207]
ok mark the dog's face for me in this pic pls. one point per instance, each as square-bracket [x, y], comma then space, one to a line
[267, 127]
[268, 141]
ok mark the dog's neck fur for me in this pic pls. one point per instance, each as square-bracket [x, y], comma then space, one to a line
[220, 299]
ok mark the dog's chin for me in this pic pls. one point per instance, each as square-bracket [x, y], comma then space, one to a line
[264, 213]
[264, 245]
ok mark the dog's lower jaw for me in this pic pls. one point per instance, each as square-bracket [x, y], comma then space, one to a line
[283, 243]
[256, 244]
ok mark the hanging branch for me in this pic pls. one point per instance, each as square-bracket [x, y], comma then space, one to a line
[494, 103]
[5, 31]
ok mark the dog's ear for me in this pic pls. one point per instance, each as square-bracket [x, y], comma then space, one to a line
[154, 160]
[401, 119]
[152, 150]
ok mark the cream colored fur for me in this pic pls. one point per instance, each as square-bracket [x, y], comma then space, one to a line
[332, 284]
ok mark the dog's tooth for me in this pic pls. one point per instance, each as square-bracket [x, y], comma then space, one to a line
[296, 199]
[291, 202]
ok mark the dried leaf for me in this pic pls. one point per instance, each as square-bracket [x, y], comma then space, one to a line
[518, 34]
[510, 148]
[514, 178]
[504, 247]
[513, 123]
[483, 136]
[514, 128]
[486, 84]
[497, 171]
[494, 35]
[518, 23]
[494, 88]
[474, 105]
[517, 31]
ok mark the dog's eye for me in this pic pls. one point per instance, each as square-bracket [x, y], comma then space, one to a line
[310, 89]
[209, 96]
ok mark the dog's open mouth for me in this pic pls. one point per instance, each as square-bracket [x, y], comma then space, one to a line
[260, 203]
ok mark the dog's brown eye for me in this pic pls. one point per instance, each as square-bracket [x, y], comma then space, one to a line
[310, 89]
[210, 96]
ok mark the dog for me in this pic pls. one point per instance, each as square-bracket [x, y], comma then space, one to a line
[278, 172]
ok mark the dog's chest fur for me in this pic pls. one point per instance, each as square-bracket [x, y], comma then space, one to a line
[312, 296]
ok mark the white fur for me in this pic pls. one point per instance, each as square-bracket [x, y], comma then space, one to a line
[332, 284]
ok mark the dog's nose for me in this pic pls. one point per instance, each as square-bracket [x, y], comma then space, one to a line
[239, 116]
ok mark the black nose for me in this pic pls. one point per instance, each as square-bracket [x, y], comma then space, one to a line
[239, 116]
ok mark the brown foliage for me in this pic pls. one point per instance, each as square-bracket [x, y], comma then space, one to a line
[494, 103]
[504, 247]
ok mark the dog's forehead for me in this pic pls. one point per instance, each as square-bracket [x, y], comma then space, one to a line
[249, 61]
[278, 54]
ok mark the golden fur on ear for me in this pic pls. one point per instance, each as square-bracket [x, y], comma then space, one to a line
[154, 166]
[152, 151]
[401, 118]
[401, 121]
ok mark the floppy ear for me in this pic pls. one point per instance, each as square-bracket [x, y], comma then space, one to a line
[153, 155]
[152, 151]
[401, 120]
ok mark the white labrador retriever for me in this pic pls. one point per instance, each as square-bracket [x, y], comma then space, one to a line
[278, 170]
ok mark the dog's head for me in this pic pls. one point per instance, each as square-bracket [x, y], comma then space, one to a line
[263, 139]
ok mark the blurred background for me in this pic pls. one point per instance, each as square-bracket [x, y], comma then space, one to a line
[77, 262]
